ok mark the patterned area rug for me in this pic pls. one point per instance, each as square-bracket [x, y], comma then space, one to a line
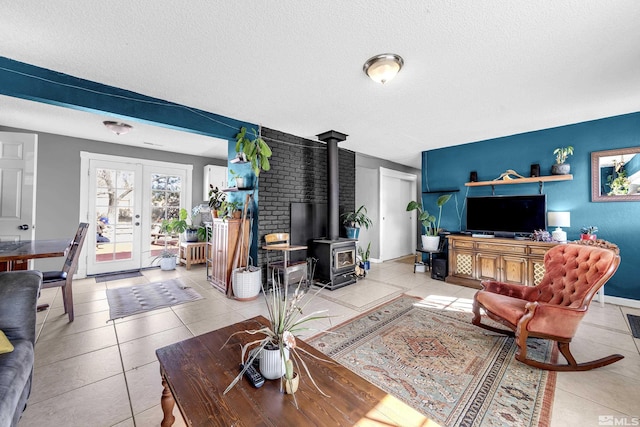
[440, 364]
[152, 296]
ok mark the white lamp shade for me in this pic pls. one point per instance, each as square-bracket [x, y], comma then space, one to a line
[559, 219]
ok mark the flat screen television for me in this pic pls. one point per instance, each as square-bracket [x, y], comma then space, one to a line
[507, 215]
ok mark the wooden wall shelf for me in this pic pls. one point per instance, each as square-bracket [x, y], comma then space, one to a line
[453, 190]
[539, 179]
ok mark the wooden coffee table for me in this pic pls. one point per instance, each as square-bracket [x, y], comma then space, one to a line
[196, 371]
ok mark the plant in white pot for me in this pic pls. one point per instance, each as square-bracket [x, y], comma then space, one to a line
[431, 238]
[288, 316]
[247, 281]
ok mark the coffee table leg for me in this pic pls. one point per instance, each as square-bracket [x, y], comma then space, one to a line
[167, 403]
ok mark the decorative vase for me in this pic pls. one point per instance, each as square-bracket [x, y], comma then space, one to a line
[367, 265]
[430, 243]
[292, 387]
[272, 364]
[352, 232]
[588, 237]
[560, 169]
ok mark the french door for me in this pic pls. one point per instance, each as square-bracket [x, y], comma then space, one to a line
[127, 199]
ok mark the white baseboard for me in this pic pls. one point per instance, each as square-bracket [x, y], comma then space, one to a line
[626, 302]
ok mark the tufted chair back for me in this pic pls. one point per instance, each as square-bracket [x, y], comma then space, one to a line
[573, 274]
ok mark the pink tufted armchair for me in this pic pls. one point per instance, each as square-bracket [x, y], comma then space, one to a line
[552, 309]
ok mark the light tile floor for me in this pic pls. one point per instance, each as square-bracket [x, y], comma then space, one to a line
[97, 373]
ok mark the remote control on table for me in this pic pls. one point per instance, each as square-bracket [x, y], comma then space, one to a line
[253, 376]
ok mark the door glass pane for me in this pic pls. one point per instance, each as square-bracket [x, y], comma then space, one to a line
[114, 209]
[166, 192]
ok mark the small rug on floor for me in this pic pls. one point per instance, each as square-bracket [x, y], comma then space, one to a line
[116, 276]
[140, 298]
[437, 362]
[634, 324]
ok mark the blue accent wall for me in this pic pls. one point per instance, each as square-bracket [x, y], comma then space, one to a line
[618, 222]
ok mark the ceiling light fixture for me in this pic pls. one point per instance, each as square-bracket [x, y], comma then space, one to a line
[382, 68]
[117, 127]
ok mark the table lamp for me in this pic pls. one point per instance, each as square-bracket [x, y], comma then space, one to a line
[559, 219]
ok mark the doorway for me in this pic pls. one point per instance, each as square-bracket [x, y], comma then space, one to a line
[17, 186]
[127, 199]
[398, 227]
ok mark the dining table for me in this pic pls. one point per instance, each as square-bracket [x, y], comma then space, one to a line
[16, 255]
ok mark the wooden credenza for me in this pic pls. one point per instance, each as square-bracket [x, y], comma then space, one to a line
[223, 247]
[472, 259]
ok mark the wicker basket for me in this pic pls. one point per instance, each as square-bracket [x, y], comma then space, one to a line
[246, 283]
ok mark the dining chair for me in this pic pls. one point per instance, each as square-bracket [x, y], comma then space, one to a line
[554, 308]
[286, 267]
[64, 277]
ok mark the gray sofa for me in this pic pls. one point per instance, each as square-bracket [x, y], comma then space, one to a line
[19, 291]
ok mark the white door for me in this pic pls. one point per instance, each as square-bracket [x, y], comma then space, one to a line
[17, 185]
[115, 210]
[398, 231]
[127, 199]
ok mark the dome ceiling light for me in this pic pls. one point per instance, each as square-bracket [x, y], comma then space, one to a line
[384, 67]
[117, 127]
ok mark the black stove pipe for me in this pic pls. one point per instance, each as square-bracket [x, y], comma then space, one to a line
[331, 138]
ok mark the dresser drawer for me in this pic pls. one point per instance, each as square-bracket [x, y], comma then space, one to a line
[507, 249]
[538, 251]
[462, 244]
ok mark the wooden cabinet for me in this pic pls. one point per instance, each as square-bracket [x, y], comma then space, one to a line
[472, 259]
[224, 251]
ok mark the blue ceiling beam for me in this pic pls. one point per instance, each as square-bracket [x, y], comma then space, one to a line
[25, 81]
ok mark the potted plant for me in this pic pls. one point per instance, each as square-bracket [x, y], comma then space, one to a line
[240, 182]
[353, 220]
[216, 197]
[431, 238]
[364, 257]
[230, 209]
[184, 224]
[560, 167]
[166, 259]
[286, 319]
[256, 150]
[588, 233]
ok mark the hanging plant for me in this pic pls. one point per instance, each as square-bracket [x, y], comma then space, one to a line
[255, 150]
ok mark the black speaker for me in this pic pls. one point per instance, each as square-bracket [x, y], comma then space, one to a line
[439, 269]
[535, 170]
[473, 176]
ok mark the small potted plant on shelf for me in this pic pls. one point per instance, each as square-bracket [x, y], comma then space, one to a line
[287, 317]
[588, 233]
[216, 197]
[354, 220]
[431, 238]
[561, 167]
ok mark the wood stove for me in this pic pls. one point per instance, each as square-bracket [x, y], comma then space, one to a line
[336, 263]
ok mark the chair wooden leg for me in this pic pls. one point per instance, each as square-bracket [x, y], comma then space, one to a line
[572, 365]
[477, 320]
[67, 299]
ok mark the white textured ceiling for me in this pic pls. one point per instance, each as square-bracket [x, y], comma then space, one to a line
[473, 69]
